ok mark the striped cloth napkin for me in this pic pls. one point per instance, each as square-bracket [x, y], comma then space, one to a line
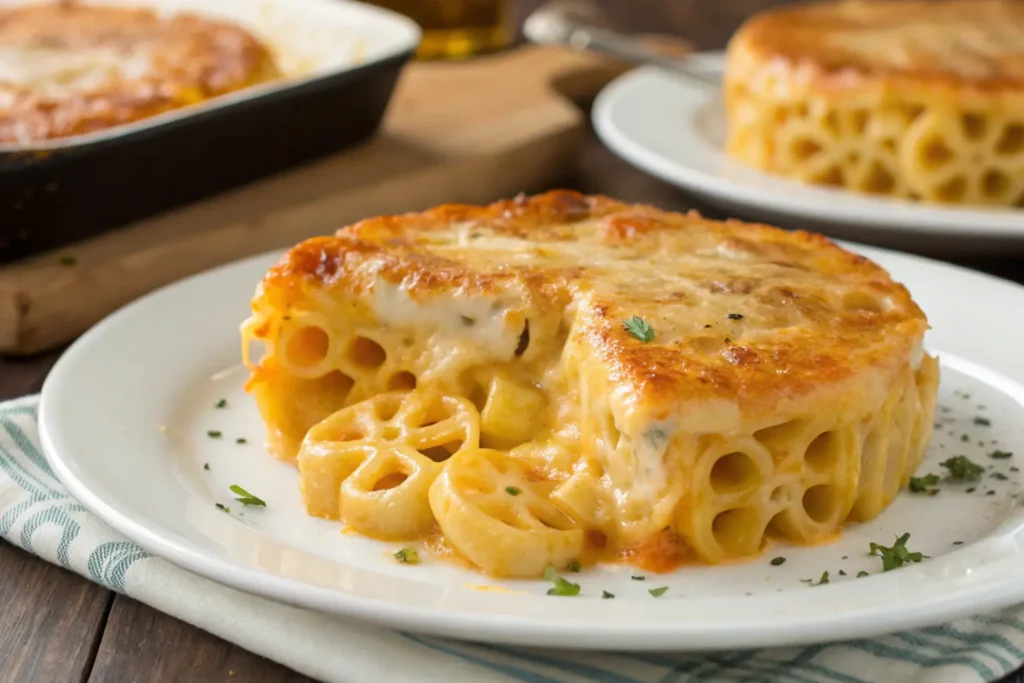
[37, 514]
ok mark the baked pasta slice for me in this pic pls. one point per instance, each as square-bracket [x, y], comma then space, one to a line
[918, 99]
[566, 378]
[68, 68]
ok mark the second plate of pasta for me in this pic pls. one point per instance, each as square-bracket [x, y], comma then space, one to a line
[200, 490]
[675, 130]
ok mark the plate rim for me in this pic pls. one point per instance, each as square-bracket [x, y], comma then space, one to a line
[845, 209]
[495, 627]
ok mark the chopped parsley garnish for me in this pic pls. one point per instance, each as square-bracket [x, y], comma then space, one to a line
[922, 484]
[562, 586]
[842, 573]
[222, 507]
[958, 542]
[982, 421]
[639, 578]
[735, 316]
[407, 556]
[777, 561]
[512, 491]
[845, 557]
[823, 580]
[214, 433]
[246, 498]
[862, 574]
[971, 490]
[658, 592]
[965, 437]
[606, 595]
[573, 566]
[897, 555]
[68, 260]
[1015, 469]
[990, 493]
[1000, 455]
[961, 468]
[206, 466]
[639, 328]
[223, 403]
[999, 476]
[241, 439]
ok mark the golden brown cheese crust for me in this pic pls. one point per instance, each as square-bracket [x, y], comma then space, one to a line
[123, 65]
[978, 44]
[813, 314]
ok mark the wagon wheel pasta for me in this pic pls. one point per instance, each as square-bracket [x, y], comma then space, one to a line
[563, 378]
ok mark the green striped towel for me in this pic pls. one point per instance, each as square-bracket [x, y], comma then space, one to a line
[37, 514]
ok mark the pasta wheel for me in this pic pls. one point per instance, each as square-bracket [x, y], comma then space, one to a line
[386, 497]
[498, 514]
[406, 429]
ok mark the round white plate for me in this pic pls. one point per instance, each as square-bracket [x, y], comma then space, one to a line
[125, 421]
[675, 129]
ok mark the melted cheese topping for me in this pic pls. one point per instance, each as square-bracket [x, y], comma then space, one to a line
[971, 39]
[780, 364]
[67, 69]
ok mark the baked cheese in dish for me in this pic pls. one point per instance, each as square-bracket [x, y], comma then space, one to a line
[68, 69]
[564, 378]
[916, 99]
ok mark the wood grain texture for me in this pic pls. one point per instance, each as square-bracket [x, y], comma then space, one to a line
[50, 622]
[141, 645]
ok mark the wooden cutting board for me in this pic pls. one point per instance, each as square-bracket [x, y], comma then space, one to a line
[455, 132]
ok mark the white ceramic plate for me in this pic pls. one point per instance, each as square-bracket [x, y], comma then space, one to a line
[675, 130]
[126, 412]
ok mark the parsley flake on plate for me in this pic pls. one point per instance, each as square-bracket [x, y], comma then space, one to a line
[223, 403]
[573, 566]
[982, 421]
[246, 498]
[639, 578]
[562, 587]
[862, 574]
[658, 592]
[897, 555]
[1000, 455]
[962, 468]
[923, 484]
[823, 580]
[777, 561]
[222, 507]
[214, 433]
[735, 316]
[639, 328]
[407, 556]
[241, 439]
[606, 595]
[206, 466]
[512, 491]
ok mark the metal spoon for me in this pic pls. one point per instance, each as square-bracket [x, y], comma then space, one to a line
[576, 24]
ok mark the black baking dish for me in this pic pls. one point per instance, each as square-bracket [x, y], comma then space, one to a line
[70, 189]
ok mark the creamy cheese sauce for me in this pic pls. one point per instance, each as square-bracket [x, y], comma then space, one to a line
[481, 320]
[61, 73]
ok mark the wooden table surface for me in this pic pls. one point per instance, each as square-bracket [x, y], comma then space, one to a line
[57, 627]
